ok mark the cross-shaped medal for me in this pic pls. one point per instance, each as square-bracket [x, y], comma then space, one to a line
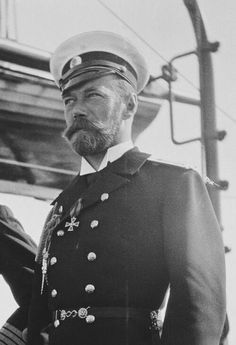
[72, 224]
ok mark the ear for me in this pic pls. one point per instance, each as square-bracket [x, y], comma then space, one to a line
[131, 106]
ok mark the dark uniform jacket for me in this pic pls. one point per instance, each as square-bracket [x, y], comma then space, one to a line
[141, 226]
[17, 260]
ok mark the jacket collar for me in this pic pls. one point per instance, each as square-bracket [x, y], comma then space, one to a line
[129, 163]
[115, 175]
[113, 153]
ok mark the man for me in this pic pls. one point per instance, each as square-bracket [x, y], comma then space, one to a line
[127, 227]
[17, 260]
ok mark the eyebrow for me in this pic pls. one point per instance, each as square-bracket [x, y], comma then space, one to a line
[67, 93]
[91, 88]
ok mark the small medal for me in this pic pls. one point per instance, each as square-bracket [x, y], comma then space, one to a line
[70, 225]
[44, 268]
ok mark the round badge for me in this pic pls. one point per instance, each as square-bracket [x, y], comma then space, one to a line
[76, 60]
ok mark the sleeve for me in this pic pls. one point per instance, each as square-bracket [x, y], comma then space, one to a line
[194, 256]
[17, 260]
[11, 335]
[17, 253]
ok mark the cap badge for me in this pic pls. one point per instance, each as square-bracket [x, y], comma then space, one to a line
[123, 69]
[76, 60]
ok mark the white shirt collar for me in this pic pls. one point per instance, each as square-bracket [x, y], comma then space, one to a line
[112, 154]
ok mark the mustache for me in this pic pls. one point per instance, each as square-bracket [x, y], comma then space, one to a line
[79, 124]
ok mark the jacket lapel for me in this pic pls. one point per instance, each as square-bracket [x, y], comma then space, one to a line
[114, 176]
[69, 196]
[107, 182]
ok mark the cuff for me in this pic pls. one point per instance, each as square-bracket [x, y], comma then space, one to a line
[10, 335]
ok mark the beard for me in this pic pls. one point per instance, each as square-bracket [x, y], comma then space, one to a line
[87, 138]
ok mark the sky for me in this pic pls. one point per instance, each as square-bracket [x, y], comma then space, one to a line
[161, 29]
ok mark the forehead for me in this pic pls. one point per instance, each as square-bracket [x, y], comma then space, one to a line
[105, 83]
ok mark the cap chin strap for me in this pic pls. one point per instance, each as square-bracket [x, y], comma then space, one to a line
[88, 72]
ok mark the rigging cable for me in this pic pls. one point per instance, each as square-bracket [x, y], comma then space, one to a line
[223, 112]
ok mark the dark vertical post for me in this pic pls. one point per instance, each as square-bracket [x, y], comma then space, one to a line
[8, 28]
[207, 97]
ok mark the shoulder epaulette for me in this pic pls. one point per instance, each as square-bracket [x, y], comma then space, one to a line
[206, 180]
[212, 183]
[170, 163]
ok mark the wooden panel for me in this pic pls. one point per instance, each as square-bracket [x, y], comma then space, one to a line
[42, 193]
[31, 123]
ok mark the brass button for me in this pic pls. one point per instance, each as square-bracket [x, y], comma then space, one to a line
[123, 69]
[90, 319]
[60, 233]
[60, 210]
[76, 60]
[56, 323]
[90, 288]
[91, 256]
[53, 261]
[53, 293]
[94, 224]
[104, 196]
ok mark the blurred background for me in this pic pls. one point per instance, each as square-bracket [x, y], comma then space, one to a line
[35, 163]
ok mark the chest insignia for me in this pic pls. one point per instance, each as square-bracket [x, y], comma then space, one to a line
[70, 225]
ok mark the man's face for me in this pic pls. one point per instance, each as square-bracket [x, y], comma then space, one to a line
[93, 114]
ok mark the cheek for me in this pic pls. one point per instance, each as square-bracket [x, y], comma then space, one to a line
[68, 117]
[100, 112]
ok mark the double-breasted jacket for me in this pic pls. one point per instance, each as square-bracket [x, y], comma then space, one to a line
[110, 250]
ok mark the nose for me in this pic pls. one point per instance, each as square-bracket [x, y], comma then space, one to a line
[78, 111]
[78, 114]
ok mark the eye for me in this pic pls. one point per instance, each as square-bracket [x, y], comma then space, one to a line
[68, 100]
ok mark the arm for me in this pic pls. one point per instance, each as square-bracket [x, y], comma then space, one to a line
[17, 253]
[195, 261]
